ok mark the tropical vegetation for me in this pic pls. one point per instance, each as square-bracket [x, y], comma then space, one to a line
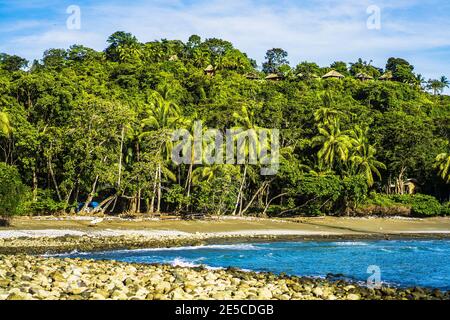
[81, 126]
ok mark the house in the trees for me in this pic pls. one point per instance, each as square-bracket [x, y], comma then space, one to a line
[252, 76]
[408, 186]
[411, 186]
[209, 71]
[275, 77]
[333, 74]
[363, 76]
[387, 76]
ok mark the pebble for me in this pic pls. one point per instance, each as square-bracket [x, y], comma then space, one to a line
[24, 277]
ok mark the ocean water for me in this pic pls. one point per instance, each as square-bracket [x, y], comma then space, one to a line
[402, 263]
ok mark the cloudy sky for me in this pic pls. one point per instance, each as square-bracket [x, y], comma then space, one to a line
[312, 30]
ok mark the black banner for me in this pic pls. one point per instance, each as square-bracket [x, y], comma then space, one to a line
[243, 310]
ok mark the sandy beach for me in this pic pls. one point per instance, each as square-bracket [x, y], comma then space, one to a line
[225, 226]
[28, 270]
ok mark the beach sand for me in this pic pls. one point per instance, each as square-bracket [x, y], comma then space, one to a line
[322, 226]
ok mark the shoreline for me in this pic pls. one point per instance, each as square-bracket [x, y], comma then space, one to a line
[89, 243]
[25, 277]
[41, 235]
[30, 268]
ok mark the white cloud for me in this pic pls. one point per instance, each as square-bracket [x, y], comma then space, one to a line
[322, 32]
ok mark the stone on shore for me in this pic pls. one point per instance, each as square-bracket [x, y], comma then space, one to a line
[25, 277]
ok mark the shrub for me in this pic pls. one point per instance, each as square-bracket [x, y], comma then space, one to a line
[355, 191]
[176, 197]
[12, 192]
[379, 199]
[416, 204]
[317, 195]
[446, 209]
[45, 204]
[421, 204]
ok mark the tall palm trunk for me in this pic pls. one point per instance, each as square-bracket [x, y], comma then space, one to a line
[189, 183]
[155, 184]
[238, 200]
[158, 208]
[35, 185]
[52, 174]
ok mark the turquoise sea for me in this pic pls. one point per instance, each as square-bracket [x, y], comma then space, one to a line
[401, 263]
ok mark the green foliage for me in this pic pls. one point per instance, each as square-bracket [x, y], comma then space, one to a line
[83, 125]
[446, 209]
[275, 59]
[317, 195]
[355, 190]
[12, 190]
[382, 200]
[401, 69]
[45, 204]
[176, 197]
[12, 63]
[421, 205]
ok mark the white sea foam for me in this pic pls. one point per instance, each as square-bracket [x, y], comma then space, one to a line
[236, 247]
[180, 262]
[200, 247]
[350, 243]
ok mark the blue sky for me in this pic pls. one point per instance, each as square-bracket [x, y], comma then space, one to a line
[312, 30]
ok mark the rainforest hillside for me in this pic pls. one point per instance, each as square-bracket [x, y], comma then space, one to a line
[82, 126]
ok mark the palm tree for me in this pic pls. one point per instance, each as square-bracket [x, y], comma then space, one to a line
[205, 173]
[363, 159]
[201, 58]
[335, 144]
[421, 81]
[326, 115]
[246, 119]
[443, 165]
[365, 163]
[435, 85]
[445, 82]
[162, 116]
[129, 52]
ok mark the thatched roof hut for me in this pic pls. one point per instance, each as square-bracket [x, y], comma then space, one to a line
[209, 70]
[363, 76]
[387, 76]
[252, 76]
[275, 77]
[173, 58]
[333, 74]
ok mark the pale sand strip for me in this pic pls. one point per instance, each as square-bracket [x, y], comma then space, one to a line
[53, 233]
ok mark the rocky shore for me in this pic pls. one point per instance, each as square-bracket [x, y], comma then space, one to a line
[33, 277]
[86, 243]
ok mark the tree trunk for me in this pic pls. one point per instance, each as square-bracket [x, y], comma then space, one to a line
[152, 203]
[270, 201]
[138, 206]
[189, 183]
[120, 158]
[258, 192]
[35, 185]
[52, 174]
[91, 195]
[238, 200]
[158, 208]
